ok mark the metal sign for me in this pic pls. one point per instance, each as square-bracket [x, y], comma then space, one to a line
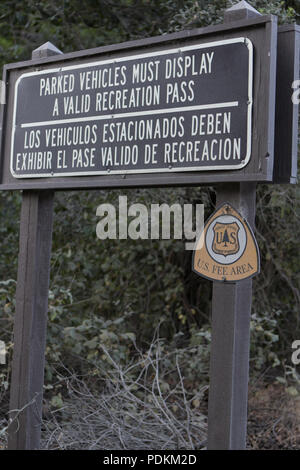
[226, 250]
[183, 109]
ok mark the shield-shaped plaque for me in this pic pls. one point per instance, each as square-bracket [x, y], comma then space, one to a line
[226, 241]
[226, 250]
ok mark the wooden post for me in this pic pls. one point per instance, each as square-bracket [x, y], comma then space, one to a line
[229, 361]
[30, 324]
[231, 309]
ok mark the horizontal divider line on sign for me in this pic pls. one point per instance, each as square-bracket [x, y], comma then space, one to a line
[101, 117]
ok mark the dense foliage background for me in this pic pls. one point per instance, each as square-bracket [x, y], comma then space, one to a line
[117, 294]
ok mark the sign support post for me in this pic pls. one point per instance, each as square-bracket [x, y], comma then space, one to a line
[229, 362]
[231, 310]
[31, 311]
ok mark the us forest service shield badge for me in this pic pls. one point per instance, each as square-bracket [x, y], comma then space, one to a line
[226, 238]
[226, 250]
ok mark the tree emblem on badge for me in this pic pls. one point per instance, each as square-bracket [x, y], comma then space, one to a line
[226, 240]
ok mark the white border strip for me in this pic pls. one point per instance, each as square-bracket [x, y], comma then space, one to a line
[244, 162]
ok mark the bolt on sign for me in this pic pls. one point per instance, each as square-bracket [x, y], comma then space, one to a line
[226, 249]
[187, 108]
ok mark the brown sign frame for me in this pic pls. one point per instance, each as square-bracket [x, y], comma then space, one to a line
[287, 112]
[262, 32]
